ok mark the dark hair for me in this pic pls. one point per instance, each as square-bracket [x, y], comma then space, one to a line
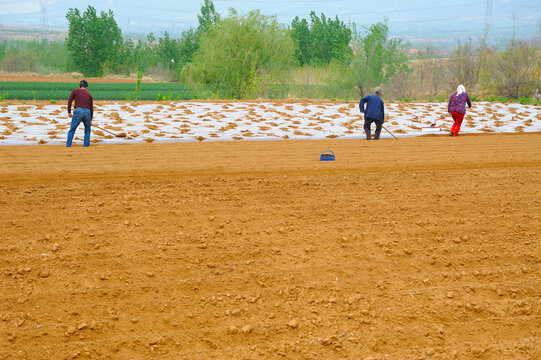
[83, 83]
[379, 92]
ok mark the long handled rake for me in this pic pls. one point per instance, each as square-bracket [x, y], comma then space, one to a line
[120, 135]
[389, 132]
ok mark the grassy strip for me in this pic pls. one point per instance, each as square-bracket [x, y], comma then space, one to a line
[100, 91]
[60, 91]
[61, 95]
[13, 90]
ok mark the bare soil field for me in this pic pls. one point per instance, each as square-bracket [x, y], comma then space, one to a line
[419, 248]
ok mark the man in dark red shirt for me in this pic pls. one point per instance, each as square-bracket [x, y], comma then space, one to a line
[83, 111]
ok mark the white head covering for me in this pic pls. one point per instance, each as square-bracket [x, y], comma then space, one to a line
[460, 89]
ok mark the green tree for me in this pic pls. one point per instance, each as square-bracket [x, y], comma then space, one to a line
[35, 56]
[237, 50]
[143, 55]
[168, 50]
[2, 50]
[207, 17]
[190, 39]
[54, 56]
[300, 32]
[151, 38]
[376, 59]
[31, 57]
[11, 62]
[22, 56]
[188, 45]
[93, 40]
[175, 53]
[321, 41]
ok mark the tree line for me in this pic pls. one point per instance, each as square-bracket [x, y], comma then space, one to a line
[252, 55]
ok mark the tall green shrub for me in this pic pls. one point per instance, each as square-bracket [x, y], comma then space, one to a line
[376, 59]
[238, 48]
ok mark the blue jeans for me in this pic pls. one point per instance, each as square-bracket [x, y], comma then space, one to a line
[80, 114]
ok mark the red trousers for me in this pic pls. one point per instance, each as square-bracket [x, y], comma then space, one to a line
[457, 117]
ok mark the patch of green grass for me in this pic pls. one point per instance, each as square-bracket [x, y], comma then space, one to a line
[168, 97]
[501, 99]
[100, 91]
[528, 101]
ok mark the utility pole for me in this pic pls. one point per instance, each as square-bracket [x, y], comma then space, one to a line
[44, 19]
[514, 33]
[488, 19]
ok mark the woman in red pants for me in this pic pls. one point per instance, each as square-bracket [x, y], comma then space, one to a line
[457, 108]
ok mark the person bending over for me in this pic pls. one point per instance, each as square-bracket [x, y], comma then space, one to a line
[374, 113]
[457, 108]
[83, 111]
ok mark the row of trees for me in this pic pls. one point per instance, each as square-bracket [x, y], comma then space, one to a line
[252, 55]
[96, 46]
[33, 56]
[241, 56]
[320, 41]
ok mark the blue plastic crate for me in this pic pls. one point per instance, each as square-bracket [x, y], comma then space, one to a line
[327, 155]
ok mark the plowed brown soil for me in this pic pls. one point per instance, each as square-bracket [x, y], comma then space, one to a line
[421, 248]
[70, 77]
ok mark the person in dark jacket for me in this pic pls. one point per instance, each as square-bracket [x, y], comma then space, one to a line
[83, 111]
[457, 108]
[374, 113]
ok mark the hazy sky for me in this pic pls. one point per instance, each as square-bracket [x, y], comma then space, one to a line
[415, 17]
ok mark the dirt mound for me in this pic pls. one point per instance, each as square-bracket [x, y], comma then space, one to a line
[422, 248]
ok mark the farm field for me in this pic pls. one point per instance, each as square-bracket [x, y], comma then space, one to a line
[175, 121]
[58, 89]
[423, 248]
[45, 90]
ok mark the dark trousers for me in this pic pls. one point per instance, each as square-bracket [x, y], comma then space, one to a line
[367, 123]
